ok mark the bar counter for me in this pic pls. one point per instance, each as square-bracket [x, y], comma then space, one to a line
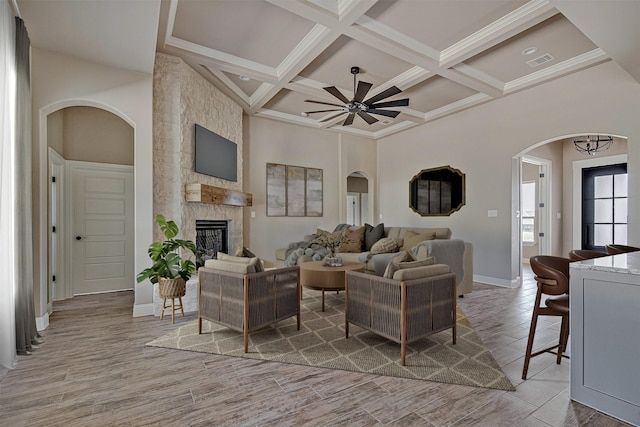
[604, 300]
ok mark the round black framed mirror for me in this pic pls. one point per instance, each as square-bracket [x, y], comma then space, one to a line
[437, 191]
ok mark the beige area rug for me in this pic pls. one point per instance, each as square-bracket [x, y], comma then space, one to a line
[321, 342]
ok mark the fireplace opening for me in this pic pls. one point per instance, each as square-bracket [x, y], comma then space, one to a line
[211, 238]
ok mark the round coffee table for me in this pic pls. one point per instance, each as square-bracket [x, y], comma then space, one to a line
[314, 275]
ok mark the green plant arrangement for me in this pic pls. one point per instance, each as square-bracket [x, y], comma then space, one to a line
[167, 262]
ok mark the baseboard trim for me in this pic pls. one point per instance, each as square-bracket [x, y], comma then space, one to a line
[42, 323]
[503, 283]
[140, 310]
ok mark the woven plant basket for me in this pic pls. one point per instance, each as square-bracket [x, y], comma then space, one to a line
[172, 288]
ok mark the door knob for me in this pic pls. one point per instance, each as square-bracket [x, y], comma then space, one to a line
[78, 237]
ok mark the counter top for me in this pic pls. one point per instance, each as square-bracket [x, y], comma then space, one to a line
[628, 263]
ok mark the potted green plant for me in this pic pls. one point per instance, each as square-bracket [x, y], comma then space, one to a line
[169, 269]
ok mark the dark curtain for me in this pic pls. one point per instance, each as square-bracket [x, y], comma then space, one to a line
[27, 336]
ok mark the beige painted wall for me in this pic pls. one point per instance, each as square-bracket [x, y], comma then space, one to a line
[482, 143]
[277, 142]
[357, 185]
[55, 133]
[90, 134]
[95, 135]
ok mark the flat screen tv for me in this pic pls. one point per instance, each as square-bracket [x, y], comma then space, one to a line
[215, 155]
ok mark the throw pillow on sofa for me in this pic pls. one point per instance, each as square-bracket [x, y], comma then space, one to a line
[332, 235]
[421, 272]
[385, 245]
[372, 235]
[254, 261]
[354, 237]
[229, 266]
[411, 238]
[407, 262]
[403, 256]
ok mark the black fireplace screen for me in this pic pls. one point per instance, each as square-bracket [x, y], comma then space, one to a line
[211, 238]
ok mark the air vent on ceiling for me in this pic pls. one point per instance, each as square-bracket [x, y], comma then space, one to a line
[540, 60]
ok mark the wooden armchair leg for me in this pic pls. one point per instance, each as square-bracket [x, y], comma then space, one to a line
[246, 340]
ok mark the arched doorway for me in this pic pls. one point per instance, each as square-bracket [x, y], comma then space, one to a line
[90, 193]
[358, 210]
[562, 181]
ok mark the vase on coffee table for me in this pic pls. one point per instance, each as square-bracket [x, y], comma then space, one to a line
[332, 260]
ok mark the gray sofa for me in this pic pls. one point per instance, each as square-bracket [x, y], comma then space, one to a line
[453, 252]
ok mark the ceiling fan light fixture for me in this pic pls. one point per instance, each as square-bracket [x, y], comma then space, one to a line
[244, 78]
[591, 145]
[358, 104]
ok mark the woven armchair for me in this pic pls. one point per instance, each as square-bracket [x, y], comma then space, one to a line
[248, 302]
[402, 311]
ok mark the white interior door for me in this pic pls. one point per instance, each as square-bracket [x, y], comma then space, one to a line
[353, 208]
[102, 227]
[57, 277]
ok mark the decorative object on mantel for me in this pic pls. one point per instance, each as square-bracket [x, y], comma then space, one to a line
[217, 195]
[437, 191]
[293, 190]
[169, 270]
[591, 145]
[320, 343]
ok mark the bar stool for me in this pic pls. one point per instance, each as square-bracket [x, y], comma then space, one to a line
[583, 254]
[620, 249]
[552, 276]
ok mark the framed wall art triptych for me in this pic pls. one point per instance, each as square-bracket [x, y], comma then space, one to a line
[293, 190]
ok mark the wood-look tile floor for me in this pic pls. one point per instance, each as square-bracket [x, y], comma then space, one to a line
[94, 370]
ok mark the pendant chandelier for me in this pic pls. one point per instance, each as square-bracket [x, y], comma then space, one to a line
[592, 144]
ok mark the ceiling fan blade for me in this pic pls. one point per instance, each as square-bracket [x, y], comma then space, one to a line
[321, 111]
[335, 92]
[333, 117]
[323, 103]
[367, 118]
[397, 103]
[349, 119]
[388, 113]
[361, 92]
[393, 90]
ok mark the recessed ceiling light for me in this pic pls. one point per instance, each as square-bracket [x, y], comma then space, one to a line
[244, 78]
[530, 50]
[386, 122]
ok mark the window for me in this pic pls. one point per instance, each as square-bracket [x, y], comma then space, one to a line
[528, 210]
[604, 206]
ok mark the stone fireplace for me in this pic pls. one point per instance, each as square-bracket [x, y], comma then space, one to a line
[182, 98]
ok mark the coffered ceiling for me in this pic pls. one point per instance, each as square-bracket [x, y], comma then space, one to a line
[444, 55]
[272, 55]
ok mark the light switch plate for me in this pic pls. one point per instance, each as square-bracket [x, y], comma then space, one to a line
[492, 213]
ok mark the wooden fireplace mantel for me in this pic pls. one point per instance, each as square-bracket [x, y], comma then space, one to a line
[216, 195]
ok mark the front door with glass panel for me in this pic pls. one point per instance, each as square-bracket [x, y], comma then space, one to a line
[604, 206]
